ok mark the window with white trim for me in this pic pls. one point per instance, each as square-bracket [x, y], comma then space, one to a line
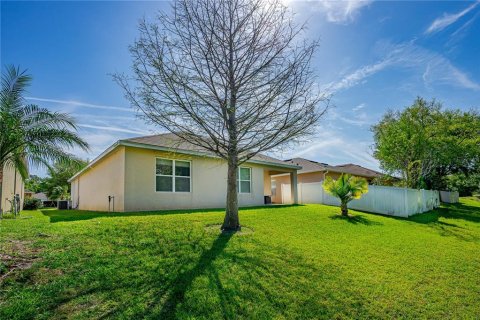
[172, 175]
[244, 179]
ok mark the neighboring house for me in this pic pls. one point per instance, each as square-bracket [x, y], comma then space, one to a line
[313, 171]
[162, 172]
[11, 183]
[28, 194]
[41, 195]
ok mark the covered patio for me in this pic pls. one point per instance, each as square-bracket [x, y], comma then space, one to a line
[281, 186]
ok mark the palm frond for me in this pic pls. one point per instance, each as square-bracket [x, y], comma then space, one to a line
[346, 187]
[31, 134]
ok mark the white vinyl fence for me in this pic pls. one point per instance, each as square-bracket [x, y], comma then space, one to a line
[400, 202]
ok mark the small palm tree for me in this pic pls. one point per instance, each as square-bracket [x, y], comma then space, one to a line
[30, 134]
[346, 188]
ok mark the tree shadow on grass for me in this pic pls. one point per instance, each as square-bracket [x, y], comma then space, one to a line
[449, 211]
[184, 280]
[79, 215]
[356, 220]
[168, 293]
[452, 212]
[262, 282]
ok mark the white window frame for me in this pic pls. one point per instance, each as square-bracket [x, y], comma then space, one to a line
[239, 181]
[173, 176]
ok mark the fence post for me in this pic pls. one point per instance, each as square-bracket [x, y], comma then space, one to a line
[374, 202]
[424, 201]
[322, 192]
[405, 201]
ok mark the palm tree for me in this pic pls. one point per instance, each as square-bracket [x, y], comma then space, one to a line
[346, 188]
[29, 134]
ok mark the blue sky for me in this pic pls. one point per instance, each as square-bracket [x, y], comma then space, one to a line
[374, 56]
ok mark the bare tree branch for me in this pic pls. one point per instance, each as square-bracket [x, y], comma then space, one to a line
[232, 77]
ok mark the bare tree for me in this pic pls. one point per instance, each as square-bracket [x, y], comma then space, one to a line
[232, 77]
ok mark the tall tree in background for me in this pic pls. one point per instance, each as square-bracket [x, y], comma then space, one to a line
[425, 143]
[29, 134]
[35, 184]
[232, 77]
[56, 184]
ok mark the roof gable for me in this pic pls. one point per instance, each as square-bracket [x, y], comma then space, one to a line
[350, 168]
[170, 142]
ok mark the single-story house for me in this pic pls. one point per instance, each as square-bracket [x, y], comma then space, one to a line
[163, 172]
[313, 171]
[42, 196]
[11, 183]
[28, 194]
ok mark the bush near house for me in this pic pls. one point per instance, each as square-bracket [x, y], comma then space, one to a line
[289, 262]
[32, 204]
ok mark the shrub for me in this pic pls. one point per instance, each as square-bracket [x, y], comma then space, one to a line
[32, 204]
[346, 188]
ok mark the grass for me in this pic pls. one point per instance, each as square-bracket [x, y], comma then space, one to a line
[299, 262]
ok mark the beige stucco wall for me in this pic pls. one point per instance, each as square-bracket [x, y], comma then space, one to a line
[91, 189]
[279, 180]
[208, 183]
[302, 178]
[310, 177]
[267, 183]
[8, 184]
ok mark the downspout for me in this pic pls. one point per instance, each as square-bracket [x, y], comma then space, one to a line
[15, 182]
[78, 193]
[14, 190]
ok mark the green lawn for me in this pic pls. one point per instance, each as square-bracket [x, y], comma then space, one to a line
[299, 262]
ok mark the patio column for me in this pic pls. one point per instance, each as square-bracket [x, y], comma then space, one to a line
[293, 187]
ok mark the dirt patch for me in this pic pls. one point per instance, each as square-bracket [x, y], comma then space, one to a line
[16, 255]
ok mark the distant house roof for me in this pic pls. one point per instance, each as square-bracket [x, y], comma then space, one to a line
[40, 195]
[313, 166]
[172, 143]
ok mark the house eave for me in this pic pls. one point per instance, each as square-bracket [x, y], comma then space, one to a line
[91, 163]
[166, 149]
[201, 154]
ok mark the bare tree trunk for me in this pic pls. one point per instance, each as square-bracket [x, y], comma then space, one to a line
[344, 208]
[229, 77]
[232, 222]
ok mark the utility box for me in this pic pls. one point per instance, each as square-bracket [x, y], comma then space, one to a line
[267, 199]
[63, 205]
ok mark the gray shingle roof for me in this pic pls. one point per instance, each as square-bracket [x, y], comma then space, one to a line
[354, 169]
[358, 170]
[171, 141]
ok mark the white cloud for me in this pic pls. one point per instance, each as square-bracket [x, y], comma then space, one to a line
[344, 11]
[111, 128]
[356, 77]
[357, 118]
[338, 11]
[334, 149]
[434, 68]
[439, 70]
[80, 104]
[359, 107]
[448, 19]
